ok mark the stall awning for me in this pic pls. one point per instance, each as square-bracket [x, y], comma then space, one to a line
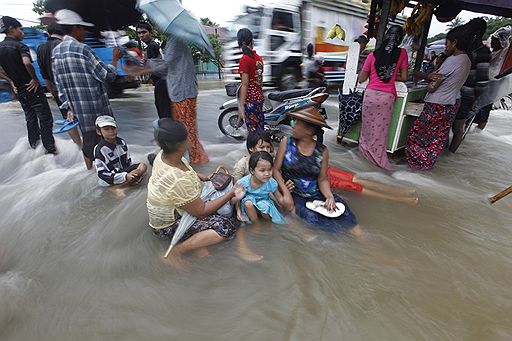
[502, 8]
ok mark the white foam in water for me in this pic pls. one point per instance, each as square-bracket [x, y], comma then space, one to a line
[14, 286]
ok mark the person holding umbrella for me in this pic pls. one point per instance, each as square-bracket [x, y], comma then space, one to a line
[16, 61]
[174, 189]
[81, 79]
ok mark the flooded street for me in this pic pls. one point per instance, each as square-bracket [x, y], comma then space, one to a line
[76, 263]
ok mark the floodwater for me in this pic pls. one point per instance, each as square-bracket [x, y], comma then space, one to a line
[77, 263]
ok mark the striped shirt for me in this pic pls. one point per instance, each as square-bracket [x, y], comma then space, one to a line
[80, 78]
[111, 162]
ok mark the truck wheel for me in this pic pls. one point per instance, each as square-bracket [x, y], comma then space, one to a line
[289, 79]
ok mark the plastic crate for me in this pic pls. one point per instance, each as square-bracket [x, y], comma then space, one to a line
[231, 89]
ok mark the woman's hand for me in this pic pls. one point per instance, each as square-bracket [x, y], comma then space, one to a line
[241, 112]
[238, 192]
[434, 76]
[289, 184]
[330, 204]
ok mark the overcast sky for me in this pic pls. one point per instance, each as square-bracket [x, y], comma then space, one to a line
[221, 12]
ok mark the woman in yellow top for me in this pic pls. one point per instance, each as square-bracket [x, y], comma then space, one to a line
[174, 188]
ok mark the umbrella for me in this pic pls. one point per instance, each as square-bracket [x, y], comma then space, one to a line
[172, 19]
[106, 15]
[188, 220]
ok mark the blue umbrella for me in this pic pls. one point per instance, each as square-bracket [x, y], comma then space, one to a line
[174, 20]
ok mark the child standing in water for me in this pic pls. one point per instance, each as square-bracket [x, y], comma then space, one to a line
[260, 185]
[250, 101]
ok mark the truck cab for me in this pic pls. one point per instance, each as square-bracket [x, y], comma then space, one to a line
[277, 39]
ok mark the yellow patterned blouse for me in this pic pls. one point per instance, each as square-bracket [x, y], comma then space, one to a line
[170, 188]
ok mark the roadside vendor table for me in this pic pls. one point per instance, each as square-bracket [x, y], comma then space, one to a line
[408, 107]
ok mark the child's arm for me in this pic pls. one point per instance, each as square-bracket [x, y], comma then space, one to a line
[111, 177]
[277, 197]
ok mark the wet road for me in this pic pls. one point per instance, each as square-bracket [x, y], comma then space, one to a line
[78, 263]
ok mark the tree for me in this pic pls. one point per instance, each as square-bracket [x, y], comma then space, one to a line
[455, 23]
[438, 36]
[495, 23]
[206, 21]
[39, 6]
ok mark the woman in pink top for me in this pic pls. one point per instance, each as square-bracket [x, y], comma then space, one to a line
[382, 67]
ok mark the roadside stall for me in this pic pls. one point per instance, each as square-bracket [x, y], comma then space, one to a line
[409, 103]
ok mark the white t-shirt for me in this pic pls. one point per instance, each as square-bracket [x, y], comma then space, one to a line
[455, 71]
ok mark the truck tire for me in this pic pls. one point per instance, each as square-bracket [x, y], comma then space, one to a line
[289, 78]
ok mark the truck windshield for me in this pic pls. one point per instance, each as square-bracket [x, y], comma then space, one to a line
[251, 21]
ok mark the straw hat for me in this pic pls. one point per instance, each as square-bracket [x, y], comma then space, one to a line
[310, 115]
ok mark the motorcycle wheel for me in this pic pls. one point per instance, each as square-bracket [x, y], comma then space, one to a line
[231, 124]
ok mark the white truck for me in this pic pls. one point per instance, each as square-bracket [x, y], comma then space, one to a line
[282, 31]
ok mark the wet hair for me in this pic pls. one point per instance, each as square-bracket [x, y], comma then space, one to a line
[309, 49]
[244, 37]
[54, 28]
[459, 35]
[169, 134]
[254, 137]
[257, 156]
[144, 25]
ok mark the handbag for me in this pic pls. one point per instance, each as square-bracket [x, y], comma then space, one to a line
[350, 107]
[221, 178]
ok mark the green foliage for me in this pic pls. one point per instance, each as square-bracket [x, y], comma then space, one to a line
[206, 21]
[38, 6]
[436, 37]
[455, 23]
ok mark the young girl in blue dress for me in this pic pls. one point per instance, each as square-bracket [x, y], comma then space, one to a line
[260, 186]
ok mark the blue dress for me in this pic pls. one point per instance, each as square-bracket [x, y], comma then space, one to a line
[303, 171]
[260, 198]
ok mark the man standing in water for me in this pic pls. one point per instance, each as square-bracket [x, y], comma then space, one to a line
[162, 101]
[44, 59]
[81, 79]
[16, 61]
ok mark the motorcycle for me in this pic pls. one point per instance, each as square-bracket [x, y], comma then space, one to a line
[275, 109]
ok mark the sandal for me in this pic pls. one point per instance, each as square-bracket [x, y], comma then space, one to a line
[65, 126]
[318, 207]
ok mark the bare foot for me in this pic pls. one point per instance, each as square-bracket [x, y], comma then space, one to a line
[308, 237]
[202, 252]
[409, 200]
[176, 260]
[249, 256]
[119, 193]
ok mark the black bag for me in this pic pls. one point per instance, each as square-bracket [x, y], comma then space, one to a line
[351, 106]
[221, 178]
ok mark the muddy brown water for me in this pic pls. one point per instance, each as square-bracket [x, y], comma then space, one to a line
[76, 263]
